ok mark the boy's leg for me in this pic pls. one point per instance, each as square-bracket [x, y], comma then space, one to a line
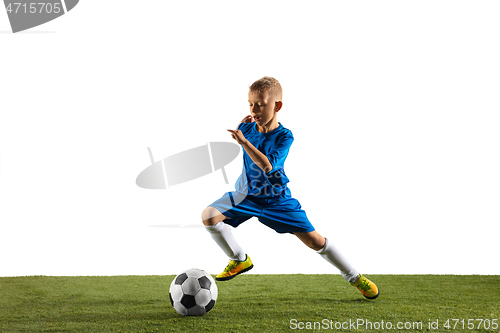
[321, 245]
[221, 233]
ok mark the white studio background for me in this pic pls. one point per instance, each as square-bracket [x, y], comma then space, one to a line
[394, 106]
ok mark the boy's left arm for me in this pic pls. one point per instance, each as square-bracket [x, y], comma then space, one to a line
[257, 157]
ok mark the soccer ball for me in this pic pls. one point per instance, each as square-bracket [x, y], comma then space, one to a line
[193, 293]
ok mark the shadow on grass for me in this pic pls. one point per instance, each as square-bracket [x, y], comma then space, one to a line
[358, 300]
[73, 309]
[112, 317]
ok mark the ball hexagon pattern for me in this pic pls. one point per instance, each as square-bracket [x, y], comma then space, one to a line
[193, 292]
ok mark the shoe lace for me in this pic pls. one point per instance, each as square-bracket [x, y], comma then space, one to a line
[364, 285]
[230, 266]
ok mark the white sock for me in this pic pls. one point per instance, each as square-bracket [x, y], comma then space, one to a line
[334, 257]
[222, 235]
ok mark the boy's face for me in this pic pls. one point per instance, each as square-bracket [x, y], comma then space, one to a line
[263, 106]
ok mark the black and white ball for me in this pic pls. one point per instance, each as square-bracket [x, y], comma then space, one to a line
[193, 293]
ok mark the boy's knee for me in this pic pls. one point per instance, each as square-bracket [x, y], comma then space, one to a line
[210, 216]
[315, 244]
[313, 240]
[318, 244]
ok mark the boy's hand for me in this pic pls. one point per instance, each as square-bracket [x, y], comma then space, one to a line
[238, 136]
[248, 119]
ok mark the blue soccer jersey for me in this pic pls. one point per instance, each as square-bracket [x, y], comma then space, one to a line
[264, 195]
[275, 145]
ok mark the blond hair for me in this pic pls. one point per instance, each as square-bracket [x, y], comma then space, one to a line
[269, 84]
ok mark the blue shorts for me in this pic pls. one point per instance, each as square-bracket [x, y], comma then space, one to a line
[284, 215]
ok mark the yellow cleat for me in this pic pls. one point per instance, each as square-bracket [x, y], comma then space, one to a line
[234, 268]
[367, 288]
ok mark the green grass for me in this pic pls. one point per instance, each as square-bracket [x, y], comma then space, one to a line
[249, 303]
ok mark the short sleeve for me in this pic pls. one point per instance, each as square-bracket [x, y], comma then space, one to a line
[279, 152]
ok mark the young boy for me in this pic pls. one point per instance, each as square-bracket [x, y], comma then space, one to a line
[262, 191]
